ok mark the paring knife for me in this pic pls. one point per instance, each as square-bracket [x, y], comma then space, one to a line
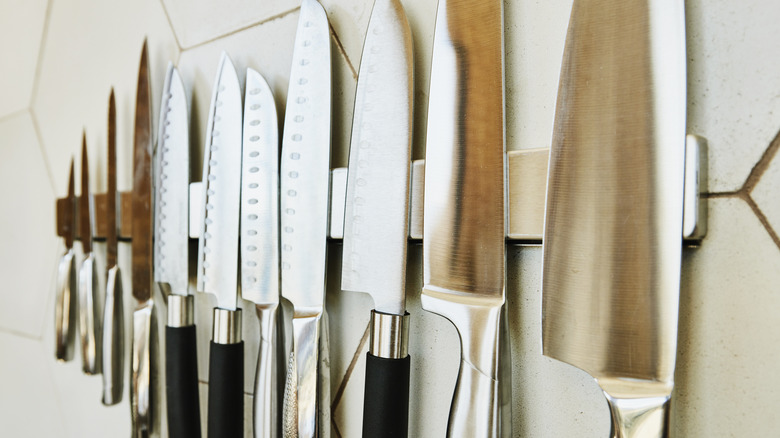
[64, 310]
[612, 250]
[260, 243]
[113, 331]
[89, 324]
[218, 252]
[140, 395]
[463, 237]
[172, 176]
[377, 213]
[305, 173]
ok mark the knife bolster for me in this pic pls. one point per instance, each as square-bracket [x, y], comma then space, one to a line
[227, 327]
[389, 335]
[181, 311]
[646, 417]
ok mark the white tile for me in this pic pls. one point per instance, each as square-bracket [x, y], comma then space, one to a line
[198, 21]
[28, 255]
[27, 407]
[726, 381]
[766, 193]
[90, 46]
[21, 27]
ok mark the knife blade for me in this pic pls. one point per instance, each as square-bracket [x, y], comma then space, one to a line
[377, 213]
[113, 333]
[612, 251]
[141, 363]
[64, 310]
[463, 229]
[218, 252]
[305, 172]
[89, 324]
[260, 243]
[172, 164]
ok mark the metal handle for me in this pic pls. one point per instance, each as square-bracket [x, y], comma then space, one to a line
[64, 314]
[266, 400]
[140, 395]
[113, 339]
[89, 324]
[300, 397]
[639, 417]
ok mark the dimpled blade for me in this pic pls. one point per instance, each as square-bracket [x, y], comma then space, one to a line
[218, 243]
[172, 188]
[260, 194]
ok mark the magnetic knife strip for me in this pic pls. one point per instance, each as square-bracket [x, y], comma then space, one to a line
[526, 191]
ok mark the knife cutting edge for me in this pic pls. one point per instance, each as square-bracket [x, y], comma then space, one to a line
[89, 324]
[64, 310]
[464, 224]
[612, 250]
[113, 332]
[172, 164]
[377, 212]
[218, 252]
[305, 173]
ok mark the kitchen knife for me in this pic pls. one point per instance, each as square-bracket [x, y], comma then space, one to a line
[463, 228]
[260, 243]
[377, 213]
[113, 332]
[64, 310]
[140, 394]
[612, 249]
[89, 324]
[218, 252]
[172, 176]
[305, 172]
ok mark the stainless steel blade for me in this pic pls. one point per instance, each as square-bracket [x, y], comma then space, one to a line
[260, 194]
[305, 164]
[218, 244]
[377, 210]
[172, 187]
[612, 249]
[86, 209]
[111, 198]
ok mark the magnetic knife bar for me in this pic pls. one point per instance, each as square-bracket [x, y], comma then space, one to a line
[526, 190]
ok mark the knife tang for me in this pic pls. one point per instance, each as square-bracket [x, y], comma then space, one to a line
[64, 310]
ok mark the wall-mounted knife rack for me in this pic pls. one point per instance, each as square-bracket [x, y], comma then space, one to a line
[526, 190]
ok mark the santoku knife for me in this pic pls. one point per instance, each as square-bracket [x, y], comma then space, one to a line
[218, 252]
[377, 212]
[612, 247]
[172, 176]
[64, 308]
[463, 232]
[305, 172]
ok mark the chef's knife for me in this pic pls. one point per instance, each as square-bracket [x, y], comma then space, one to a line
[260, 243]
[140, 395]
[218, 252]
[463, 237]
[64, 310]
[113, 332]
[612, 250]
[89, 324]
[172, 176]
[377, 213]
[305, 171]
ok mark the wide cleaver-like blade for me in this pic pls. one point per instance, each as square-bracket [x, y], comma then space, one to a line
[612, 248]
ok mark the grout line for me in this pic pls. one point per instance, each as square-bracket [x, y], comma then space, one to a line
[43, 151]
[41, 50]
[170, 24]
[350, 368]
[249, 26]
[10, 116]
[334, 427]
[735, 194]
[343, 52]
[20, 334]
[762, 218]
[762, 165]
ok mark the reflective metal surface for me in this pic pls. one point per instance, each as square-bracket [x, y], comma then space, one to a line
[377, 208]
[612, 247]
[267, 405]
[227, 326]
[113, 340]
[218, 243]
[89, 324]
[695, 205]
[389, 335]
[181, 310]
[140, 370]
[65, 301]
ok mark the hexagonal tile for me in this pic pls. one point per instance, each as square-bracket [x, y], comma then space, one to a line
[90, 46]
[766, 193]
[21, 27]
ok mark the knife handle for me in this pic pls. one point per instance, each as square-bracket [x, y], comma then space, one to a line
[181, 369]
[140, 377]
[639, 417]
[113, 339]
[226, 376]
[64, 310]
[266, 417]
[300, 398]
[88, 321]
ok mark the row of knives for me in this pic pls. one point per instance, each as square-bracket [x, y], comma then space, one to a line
[611, 242]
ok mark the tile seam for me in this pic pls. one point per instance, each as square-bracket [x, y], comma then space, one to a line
[762, 218]
[16, 113]
[350, 368]
[41, 50]
[42, 148]
[241, 29]
[20, 334]
[343, 52]
[754, 177]
[170, 24]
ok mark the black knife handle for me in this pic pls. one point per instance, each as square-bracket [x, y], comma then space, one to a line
[181, 382]
[386, 405]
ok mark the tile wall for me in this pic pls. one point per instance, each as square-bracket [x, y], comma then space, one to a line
[60, 58]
